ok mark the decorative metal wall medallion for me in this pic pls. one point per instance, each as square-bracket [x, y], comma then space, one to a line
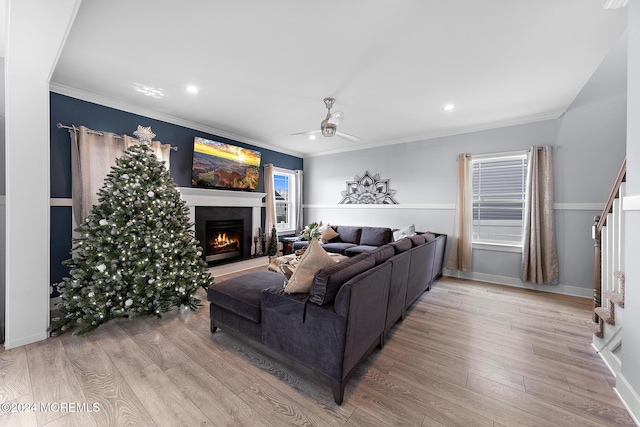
[368, 190]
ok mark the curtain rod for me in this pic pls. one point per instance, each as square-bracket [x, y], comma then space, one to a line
[506, 153]
[95, 132]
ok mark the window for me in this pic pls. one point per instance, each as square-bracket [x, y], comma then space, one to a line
[284, 184]
[499, 185]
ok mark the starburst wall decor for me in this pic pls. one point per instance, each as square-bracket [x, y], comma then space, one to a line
[368, 190]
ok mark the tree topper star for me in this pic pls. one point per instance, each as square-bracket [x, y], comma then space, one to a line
[144, 134]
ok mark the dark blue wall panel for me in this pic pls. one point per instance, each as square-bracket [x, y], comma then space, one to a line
[60, 243]
[72, 111]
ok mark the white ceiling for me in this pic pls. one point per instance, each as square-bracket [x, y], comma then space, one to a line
[263, 67]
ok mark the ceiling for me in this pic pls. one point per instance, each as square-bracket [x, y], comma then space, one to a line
[264, 67]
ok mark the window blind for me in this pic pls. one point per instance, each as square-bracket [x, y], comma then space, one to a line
[499, 184]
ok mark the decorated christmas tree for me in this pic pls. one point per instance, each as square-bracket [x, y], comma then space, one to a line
[136, 253]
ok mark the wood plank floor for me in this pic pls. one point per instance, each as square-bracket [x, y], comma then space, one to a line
[468, 354]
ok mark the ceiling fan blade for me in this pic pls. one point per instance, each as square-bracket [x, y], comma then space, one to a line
[336, 117]
[311, 132]
[347, 137]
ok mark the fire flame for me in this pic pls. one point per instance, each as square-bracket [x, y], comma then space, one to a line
[222, 240]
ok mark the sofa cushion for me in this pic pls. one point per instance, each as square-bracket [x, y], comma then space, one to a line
[241, 295]
[314, 259]
[327, 282]
[375, 236]
[348, 233]
[407, 231]
[360, 249]
[338, 247]
[402, 245]
[417, 240]
[328, 234]
[383, 253]
[300, 244]
[429, 236]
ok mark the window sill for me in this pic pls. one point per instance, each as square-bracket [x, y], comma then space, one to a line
[497, 247]
[282, 231]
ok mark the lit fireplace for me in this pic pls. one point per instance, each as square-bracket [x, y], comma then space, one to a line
[224, 240]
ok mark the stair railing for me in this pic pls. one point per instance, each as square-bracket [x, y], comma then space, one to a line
[600, 222]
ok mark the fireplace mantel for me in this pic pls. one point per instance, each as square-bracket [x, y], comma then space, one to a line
[211, 197]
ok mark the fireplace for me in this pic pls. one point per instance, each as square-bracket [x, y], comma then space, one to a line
[225, 233]
[223, 240]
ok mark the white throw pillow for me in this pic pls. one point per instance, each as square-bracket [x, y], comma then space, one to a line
[404, 232]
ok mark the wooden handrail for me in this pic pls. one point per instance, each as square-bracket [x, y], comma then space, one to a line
[599, 222]
[615, 192]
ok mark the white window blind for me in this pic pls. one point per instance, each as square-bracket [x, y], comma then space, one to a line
[498, 198]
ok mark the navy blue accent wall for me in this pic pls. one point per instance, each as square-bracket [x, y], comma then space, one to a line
[59, 244]
[72, 111]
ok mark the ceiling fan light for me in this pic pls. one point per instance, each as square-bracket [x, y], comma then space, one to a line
[329, 130]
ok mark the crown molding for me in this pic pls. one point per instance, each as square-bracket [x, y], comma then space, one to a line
[119, 105]
[522, 120]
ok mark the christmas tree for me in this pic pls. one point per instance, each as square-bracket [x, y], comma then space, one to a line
[136, 253]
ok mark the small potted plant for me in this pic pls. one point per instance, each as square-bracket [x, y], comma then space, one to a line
[311, 231]
[273, 244]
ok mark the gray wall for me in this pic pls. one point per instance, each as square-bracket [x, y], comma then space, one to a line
[589, 137]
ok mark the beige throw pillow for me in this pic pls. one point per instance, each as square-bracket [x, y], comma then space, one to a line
[328, 234]
[314, 258]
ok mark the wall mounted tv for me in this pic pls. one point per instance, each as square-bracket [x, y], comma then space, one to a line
[221, 165]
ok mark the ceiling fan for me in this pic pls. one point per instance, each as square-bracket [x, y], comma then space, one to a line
[329, 126]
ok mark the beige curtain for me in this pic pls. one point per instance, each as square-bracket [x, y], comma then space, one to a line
[460, 255]
[298, 207]
[93, 154]
[270, 200]
[539, 253]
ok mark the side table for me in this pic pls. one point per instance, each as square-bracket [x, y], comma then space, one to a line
[287, 244]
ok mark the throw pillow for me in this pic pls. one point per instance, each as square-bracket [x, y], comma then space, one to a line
[328, 234]
[314, 259]
[408, 231]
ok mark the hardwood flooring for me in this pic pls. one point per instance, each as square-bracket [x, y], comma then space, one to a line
[468, 354]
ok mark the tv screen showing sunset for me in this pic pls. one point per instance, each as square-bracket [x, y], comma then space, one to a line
[221, 165]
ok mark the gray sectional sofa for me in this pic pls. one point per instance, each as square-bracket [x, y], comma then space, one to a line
[353, 240]
[349, 311]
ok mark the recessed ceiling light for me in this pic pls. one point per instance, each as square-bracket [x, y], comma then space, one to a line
[148, 90]
[312, 137]
[449, 107]
[192, 89]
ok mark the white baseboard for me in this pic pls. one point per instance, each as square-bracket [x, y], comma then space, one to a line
[9, 344]
[629, 398]
[515, 282]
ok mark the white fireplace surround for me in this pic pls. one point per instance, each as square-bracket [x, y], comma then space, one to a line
[195, 197]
